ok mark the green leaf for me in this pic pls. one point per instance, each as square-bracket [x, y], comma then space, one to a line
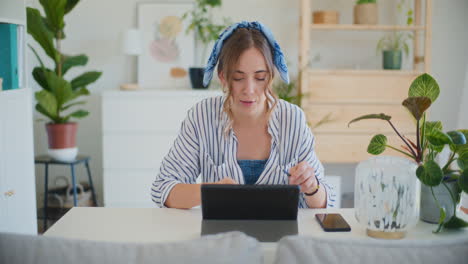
[70, 5]
[442, 215]
[457, 137]
[72, 61]
[430, 173]
[37, 55]
[439, 138]
[377, 144]
[39, 31]
[417, 105]
[455, 223]
[47, 103]
[78, 114]
[79, 92]
[381, 116]
[59, 87]
[41, 110]
[55, 10]
[462, 160]
[463, 181]
[39, 75]
[85, 79]
[433, 125]
[72, 104]
[424, 85]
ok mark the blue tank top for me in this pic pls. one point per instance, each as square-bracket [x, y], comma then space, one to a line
[251, 169]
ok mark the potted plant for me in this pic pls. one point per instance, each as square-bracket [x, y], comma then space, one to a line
[206, 31]
[392, 45]
[366, 12]
[424, 149]
[58, 95]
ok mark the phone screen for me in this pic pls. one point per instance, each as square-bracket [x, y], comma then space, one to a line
[333, 222]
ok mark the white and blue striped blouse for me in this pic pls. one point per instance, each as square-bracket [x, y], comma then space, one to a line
[203, 149]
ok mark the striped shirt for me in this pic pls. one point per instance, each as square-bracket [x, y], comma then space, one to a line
[203, 149]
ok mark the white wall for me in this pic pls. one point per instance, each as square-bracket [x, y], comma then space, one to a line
[94, 28]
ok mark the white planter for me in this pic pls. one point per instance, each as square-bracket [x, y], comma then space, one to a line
[64, 155]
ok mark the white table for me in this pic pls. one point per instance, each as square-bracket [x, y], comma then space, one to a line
[169, 225]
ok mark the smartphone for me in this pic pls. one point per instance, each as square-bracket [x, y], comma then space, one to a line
[333, 223]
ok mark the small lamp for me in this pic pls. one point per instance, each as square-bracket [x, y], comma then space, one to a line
[131, 45]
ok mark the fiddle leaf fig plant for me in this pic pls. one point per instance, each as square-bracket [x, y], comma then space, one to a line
[430, 141]
[58, 94]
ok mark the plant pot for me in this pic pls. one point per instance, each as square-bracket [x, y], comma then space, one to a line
[386, 196]
[62, 141]
[429, 209]
[366, 14]
[392, 59]
[196, 78]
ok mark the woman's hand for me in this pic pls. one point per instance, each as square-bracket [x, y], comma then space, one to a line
[303, 175]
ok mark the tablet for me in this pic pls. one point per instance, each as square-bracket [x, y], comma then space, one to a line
[255, 202]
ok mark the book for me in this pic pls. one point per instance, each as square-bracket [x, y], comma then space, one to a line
[9, 56]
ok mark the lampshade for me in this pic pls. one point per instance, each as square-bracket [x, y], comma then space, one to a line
[132, 42]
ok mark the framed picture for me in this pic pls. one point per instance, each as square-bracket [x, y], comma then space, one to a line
[167, 50]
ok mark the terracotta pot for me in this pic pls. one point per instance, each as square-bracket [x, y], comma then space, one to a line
[366, 14]
[62, 141]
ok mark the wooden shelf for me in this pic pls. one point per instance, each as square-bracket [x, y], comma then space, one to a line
[352, 27]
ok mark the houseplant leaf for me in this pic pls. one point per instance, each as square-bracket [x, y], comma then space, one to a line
[41, 110]
[72, 104]
[59, 87]
[55, 10]
[47, 102]
[457, 137]
[79, 92]
[463, 181]
[85, 79]
[430, 173]
[439, 138]
[39, 75]
[381, 116]
[417, 105]
[433, 125]
[462, 160]
[70, 5]
[455, 222]
[72, 61]
[377, 144]
[39, 31]
[79, 114]
[424, 85]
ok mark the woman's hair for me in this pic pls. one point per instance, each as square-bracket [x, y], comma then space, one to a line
[241, 40]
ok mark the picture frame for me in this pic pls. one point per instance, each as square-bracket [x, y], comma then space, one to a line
[167, 50]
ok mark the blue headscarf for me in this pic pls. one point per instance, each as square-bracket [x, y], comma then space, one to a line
[278, 57]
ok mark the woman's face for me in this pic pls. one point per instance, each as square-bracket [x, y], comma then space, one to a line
[250, 79]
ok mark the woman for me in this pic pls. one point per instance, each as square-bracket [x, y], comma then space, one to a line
[247, 136]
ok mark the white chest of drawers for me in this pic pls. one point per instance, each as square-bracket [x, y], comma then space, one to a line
[138, 130]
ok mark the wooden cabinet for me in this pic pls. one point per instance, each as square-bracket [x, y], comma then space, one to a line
[341, 95]
[139, 127]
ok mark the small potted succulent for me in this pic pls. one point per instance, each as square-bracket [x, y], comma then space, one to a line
[366, 12]
[58, 95]
[206, 31]
[442, 183]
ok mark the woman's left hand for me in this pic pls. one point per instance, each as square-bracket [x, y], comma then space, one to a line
[303, 175]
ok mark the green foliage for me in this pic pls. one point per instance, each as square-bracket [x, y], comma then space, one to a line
[398, 40]
[429, 143]
[202, 24]
[377, 144]
[288, 92]
[58, 94]
[359, 2]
